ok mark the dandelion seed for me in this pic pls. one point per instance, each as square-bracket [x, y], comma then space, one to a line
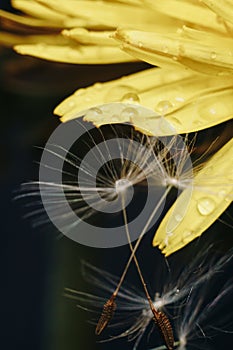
[107, 314]
[165, 162]
[165, 328]
[188, 295]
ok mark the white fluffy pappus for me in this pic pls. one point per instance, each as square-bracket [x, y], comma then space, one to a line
[197, 305]
[119, 158]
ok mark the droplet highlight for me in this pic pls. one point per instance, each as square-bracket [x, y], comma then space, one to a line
[164, 106]
[213, 55]
[129, 113]
[130, 97]
[117, 93]
[178, 217]
[206, 206]
[93, 113]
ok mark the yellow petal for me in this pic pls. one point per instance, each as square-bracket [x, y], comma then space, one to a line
[9, 39]
[23, 24]
[34, 9]
[83, 36]
[189, 12]
[111, 14]
[18, 21]
[205, 206]
[172, 93]
[75, 53]
[114, 91]
[179, 49]
[223, 8]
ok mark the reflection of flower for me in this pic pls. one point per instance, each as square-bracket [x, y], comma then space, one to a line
[183, 297]
[190, 41]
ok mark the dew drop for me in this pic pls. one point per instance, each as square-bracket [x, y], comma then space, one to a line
[164, 106]
[140, 44]
[71, 104]
[180, 99]
[213, 55]
[93, 113]
[205, 206]
[116, 93]
[130, 97]
[178, 217]
[179, 31]
[129, 113]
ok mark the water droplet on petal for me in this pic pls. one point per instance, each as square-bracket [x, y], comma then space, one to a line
[93, 113]
[213, 55]
[180, 99]
[205, 206]
[116, 93]
[164, 106]
[130, 97]
[179, 31]
[140, 44]
[71, 104]
[178, 217]
[129, 113]
[216, 109]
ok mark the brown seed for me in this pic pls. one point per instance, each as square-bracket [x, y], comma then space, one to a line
[106, 316]
[165, 328]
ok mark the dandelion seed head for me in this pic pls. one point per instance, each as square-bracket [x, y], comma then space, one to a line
[111, 167]
[121, 185]
[183, 296]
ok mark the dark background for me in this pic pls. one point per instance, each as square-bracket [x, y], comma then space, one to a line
[35, 265]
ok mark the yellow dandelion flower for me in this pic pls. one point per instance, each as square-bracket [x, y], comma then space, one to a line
[200, 47]
[191, 41]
